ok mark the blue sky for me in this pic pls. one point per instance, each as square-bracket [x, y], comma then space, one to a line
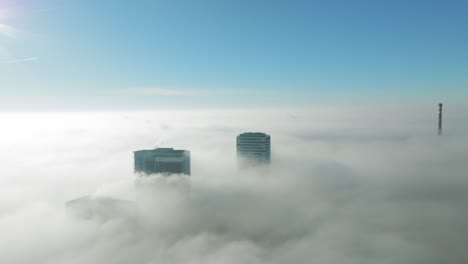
[87, 55]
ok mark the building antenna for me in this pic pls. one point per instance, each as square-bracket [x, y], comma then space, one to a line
[440, 119]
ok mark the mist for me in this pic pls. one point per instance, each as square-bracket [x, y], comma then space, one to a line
[347, 184]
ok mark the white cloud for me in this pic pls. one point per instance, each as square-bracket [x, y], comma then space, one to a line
[19, 60]
[9, 31]
[159, 91]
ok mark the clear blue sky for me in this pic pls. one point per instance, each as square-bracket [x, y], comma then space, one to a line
[87, 55]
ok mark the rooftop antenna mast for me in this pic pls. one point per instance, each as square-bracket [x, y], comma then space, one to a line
[440, 119]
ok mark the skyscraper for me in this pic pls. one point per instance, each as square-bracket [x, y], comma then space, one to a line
[162, 160]
[253, 149]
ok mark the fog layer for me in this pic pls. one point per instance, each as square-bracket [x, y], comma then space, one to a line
[346, 185]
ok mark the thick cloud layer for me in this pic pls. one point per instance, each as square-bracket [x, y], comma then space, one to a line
[346, 185]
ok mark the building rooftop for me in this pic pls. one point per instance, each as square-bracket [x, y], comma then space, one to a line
[254, 134]
[170, 152]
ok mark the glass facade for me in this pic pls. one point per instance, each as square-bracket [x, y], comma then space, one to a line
[162, 160]
[253, 148]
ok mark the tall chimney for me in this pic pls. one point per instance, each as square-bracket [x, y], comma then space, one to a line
[440, 119]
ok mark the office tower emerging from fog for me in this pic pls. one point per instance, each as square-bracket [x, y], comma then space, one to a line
[253, 149]
[105, 208]
[162, 160]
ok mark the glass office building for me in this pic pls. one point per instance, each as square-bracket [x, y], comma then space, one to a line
[162, 160]
[253, 148]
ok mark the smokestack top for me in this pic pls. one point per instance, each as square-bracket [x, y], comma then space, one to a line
[440, 119]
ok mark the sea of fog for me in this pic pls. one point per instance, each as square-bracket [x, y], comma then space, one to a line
[347, 184]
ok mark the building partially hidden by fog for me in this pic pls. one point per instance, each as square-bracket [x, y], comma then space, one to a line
[103, 208]
[253, 149]
[162, 160]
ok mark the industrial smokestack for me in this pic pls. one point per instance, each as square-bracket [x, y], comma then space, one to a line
[440, 119]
